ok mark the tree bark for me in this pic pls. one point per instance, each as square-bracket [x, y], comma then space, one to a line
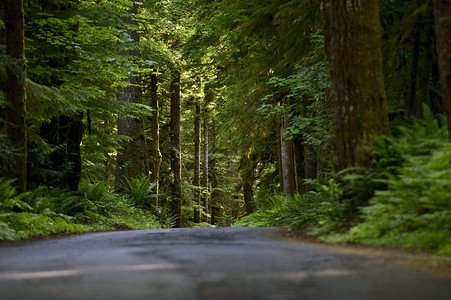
[205, 190]
[287, 159]
[214, 180]
[442, 13]
[247, 179]
[196, 179]
[413, 86]
[421, 65]
[176, 163]
[279, 155]
[132, 159]
[155, 154]
[353, 46]
[15, 110]
[74, 137]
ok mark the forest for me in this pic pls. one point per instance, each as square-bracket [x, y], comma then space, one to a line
[330, 117]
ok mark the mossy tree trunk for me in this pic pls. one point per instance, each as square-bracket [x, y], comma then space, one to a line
[214, 207]
[353, 45]
[247, 179]
[176, 163]
[287, 159]
[421, 63]
[15, 109]
[155, 153]
[132, 159]
[196, 177]
[442, 13]
[205, 169]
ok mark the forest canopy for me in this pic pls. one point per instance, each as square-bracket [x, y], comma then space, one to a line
[332, 117]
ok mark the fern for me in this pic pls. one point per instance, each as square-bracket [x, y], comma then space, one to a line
[415, 209]
[140, 191]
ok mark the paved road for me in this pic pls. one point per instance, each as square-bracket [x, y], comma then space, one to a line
[214, 264]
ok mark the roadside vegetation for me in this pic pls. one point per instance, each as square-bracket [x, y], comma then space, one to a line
[403, 200]
[47, 211]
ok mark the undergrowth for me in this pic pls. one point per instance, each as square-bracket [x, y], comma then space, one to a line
[45, 211]
[404, 200]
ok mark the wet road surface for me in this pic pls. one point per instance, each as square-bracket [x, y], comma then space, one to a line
[210, 263]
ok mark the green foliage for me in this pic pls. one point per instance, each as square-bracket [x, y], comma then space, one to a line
[320, 211]
[46, 211]
[140, 191]
[29, 214]
[415, 210]
[409, 189]
[166, 218]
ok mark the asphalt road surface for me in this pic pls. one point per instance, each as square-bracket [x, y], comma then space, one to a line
[211, 263]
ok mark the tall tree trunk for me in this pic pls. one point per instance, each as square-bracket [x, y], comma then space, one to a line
[106, 163]
[353, 46]
[442, 13]
[247, 179]
[279, 155]
[413, 86]
[74, 137]
[287, 159]
[214, 180]
[196, 179]
[155, 154]
[132, 158]
[176, 163]
[421, 64]
[205, 190]
[15, 111]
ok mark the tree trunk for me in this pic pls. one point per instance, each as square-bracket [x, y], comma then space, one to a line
[196, 179]
[15, 111]
[155, 154]
[176, 163]
[214, 180]
[74, 137]
[106, 163]
[421, 65]
[442, 13]
[247, 179]
[279, 156]
[353, 46]
[287, 160]
[205, 191]
[413, 86]
[248, 194]
[132, 158]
